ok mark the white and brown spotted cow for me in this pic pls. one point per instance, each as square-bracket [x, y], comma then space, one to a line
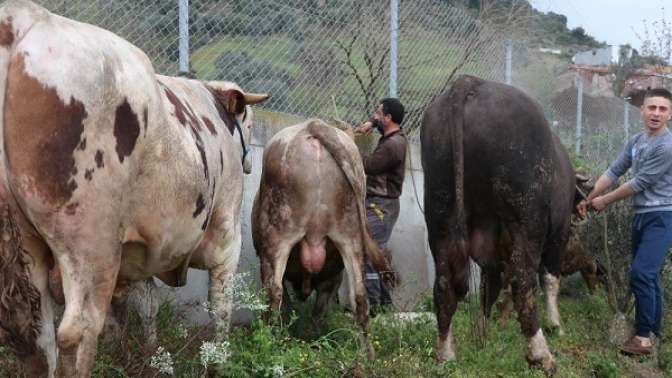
[110, 174]
[308, 217]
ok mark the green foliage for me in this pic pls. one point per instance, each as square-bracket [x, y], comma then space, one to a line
[304, 347]
[603, 366]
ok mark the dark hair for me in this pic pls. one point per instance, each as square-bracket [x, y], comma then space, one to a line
[658, 92]
[394, 108]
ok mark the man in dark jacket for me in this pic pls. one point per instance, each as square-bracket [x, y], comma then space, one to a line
[384, 169]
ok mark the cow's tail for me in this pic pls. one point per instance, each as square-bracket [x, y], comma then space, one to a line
[19, 299]
[18, 296]
[460, 263]
[328, 137]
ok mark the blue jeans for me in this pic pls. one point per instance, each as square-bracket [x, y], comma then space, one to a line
[651, 239]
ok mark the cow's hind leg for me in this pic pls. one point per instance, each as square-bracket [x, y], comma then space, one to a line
[552, 266]
[89, 272]
[273, 259]
[222, 284]
[551, 284]
[219, 253]
[525, 260]
[353, 260]
[451, 285]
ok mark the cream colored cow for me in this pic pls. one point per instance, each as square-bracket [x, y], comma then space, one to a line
[110, 174]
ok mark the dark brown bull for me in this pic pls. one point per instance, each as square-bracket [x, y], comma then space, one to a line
[308, 218]
[575, 259]
[492, 164]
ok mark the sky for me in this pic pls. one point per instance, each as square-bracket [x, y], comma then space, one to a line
[610, 21]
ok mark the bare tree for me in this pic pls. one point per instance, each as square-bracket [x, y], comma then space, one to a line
[656, 38]
[493, 22]
[364, 54]
[471, 34]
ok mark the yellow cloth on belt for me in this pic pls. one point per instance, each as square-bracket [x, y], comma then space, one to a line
[377, 210]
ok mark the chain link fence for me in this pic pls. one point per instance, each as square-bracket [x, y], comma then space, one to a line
[314, 53]
[326, 58]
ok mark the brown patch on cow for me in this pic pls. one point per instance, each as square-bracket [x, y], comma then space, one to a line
[209, 125]
[71, 209]
[126, 130]
[99, 159]
[193, 120]
[82, 145]
[201, 150]
[54, 128]
[88, 174]
[212, 204]
[200, 205]
[6, 32]
[221, 162]
[179, 107]
[145, 118]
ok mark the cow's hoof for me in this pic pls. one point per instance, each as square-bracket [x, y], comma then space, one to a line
[365, 346]
[370, 352]
[539, 355]
[556, 330]
[545, 362]
[444, 354]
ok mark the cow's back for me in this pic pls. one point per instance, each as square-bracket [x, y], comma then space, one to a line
[310, 185]
[510, 159]
[78, 100]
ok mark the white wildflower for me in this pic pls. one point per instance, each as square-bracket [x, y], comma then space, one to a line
[278, 371]
[162, 361]
[182, 332]
[207, 306]
[214, 353]
[243, 296]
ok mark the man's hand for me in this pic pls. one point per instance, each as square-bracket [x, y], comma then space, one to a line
[598, 203]
[364, 129]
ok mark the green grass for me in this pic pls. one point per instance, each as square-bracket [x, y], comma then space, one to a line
[301, 348]
[276, 50]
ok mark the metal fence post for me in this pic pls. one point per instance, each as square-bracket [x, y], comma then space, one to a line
[394, 29]
[184, 35]
[509, 58]
[579, 111]
[626, 119]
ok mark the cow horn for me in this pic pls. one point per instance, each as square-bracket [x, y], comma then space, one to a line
[255, 98]
[576, 221]
[581, 178]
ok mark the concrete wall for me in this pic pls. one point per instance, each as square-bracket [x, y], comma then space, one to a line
[410, 255]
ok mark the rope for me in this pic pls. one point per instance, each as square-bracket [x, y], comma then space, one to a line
[415, 189]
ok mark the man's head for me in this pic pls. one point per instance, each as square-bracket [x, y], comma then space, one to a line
[657, 109]
[389, 114]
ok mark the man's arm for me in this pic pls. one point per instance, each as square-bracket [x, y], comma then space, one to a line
[652, 168]
[623, 191]
[616, 170]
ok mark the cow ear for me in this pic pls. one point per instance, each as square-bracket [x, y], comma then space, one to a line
[581, 179]
[232, 100]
